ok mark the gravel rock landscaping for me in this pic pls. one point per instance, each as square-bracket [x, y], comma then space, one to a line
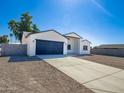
[117, 62]
[27, 76]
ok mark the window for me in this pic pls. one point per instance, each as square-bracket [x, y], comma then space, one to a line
[69, 47]
[85, 47]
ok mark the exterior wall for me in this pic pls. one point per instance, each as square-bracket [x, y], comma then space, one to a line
[51, 35]
[13, 49]
[24, 39]
[111, 52]
[74, 42]
[65, 48]
[31, 46]
[81, 47]
[77, 44]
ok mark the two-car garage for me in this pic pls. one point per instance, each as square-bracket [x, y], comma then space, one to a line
[48, 47]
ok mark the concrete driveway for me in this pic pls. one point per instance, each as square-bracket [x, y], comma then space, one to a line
[97, 77]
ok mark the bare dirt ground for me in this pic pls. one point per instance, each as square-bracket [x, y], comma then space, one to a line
[25, 75]
[117, 62]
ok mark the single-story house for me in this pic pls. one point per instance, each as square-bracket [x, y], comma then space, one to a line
[109, 49]
[53, 42]
[111, 46]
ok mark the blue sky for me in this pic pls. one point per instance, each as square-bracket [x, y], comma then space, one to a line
[100, 21]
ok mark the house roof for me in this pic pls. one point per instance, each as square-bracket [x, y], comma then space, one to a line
[86, 40]
[71, 34]
[111, 46]
[44, 32]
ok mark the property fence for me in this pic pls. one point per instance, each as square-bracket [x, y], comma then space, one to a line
[13, 49]
[0, 50]
[112, 52]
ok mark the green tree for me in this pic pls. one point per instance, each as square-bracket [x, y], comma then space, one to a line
[13, 26]
[25, 24]
[35, 28]
[4, 39]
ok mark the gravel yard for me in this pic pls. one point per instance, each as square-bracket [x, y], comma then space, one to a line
[117, 62]
[35, 76]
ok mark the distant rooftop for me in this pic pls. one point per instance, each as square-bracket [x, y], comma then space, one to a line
[111, 46]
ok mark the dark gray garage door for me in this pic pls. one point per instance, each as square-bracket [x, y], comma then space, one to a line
[48, 47]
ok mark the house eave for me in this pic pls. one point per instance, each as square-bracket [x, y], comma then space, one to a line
[73, 36]
[45, 32]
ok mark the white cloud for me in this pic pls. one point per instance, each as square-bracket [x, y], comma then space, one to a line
[102, 8]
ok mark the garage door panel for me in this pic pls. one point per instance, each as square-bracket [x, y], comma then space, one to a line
[49, 47]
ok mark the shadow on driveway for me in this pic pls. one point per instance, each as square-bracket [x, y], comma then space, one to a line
[23, 59]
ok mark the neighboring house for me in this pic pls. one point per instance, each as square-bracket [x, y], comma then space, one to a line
[109, 49]
[111, 46]
[52, 42]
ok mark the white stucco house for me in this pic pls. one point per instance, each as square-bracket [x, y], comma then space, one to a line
[52, 42]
